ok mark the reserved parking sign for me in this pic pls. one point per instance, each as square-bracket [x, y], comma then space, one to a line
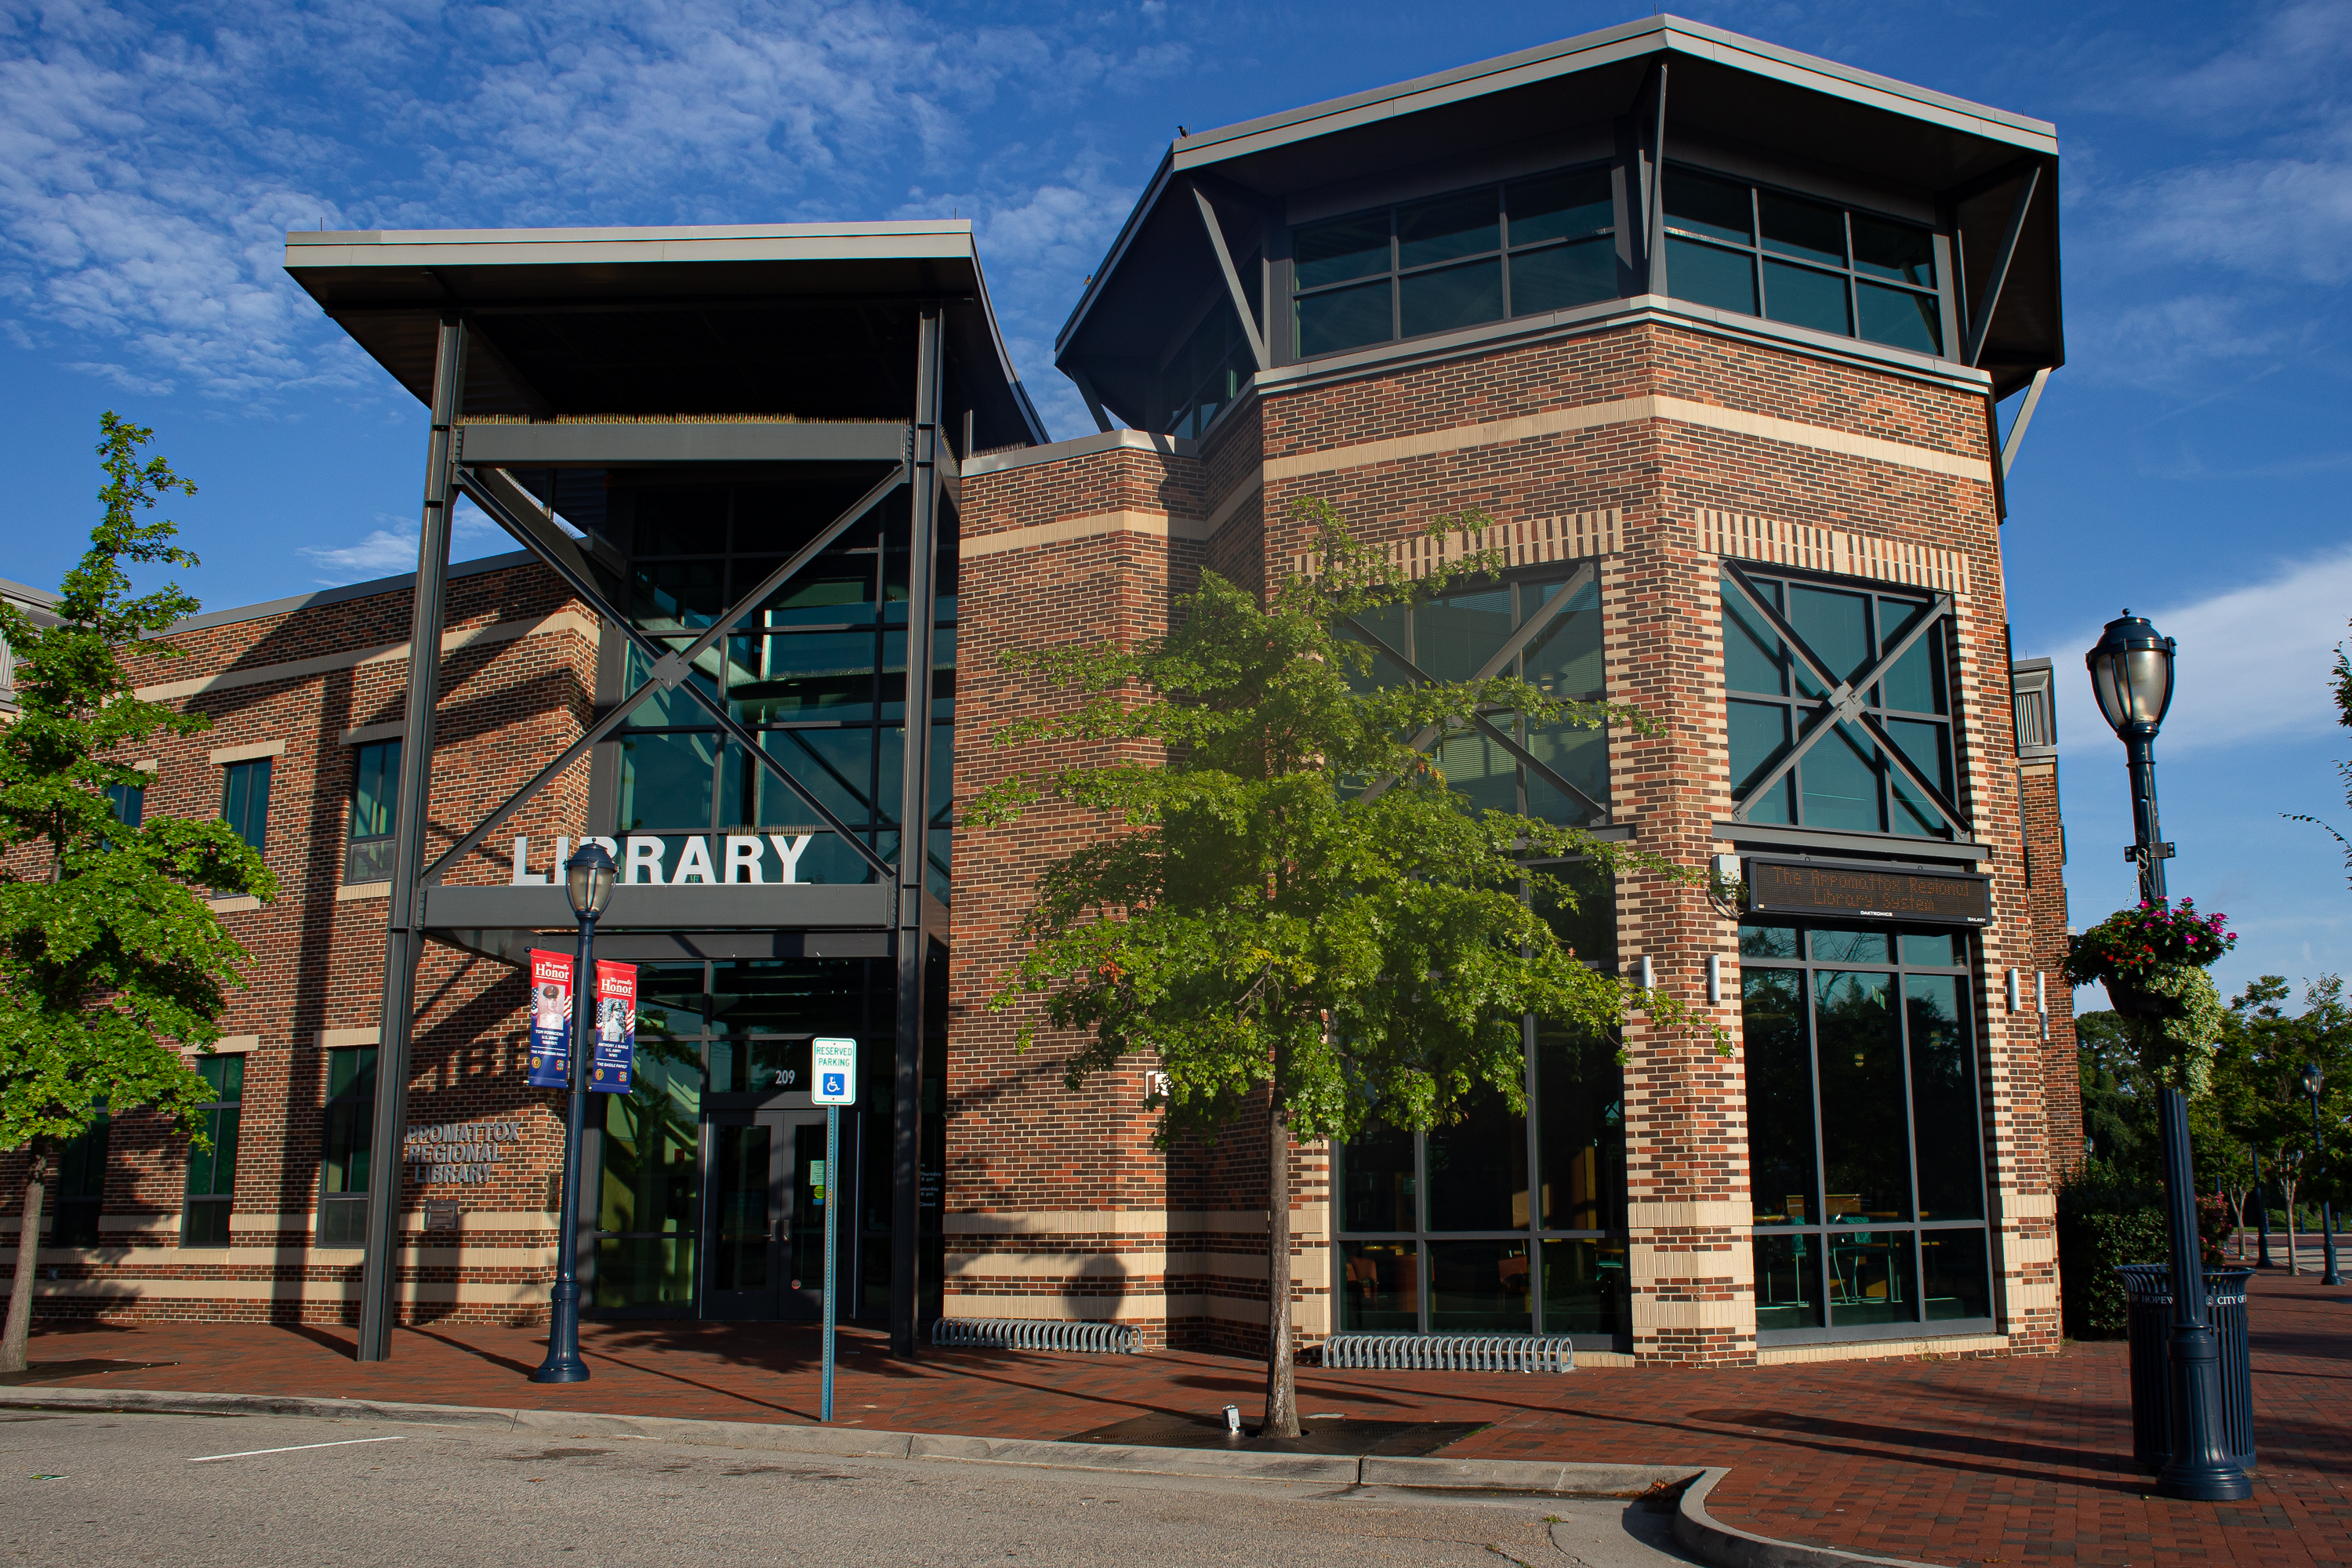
[833, 1072]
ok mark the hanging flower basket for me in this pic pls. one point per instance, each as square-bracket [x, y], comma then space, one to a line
[2152, 961]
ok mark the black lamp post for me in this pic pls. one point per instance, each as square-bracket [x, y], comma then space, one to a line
[2131, 673]
[588, 882]
[2310, 1082]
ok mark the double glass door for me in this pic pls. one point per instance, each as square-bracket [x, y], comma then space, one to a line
[768, 1188]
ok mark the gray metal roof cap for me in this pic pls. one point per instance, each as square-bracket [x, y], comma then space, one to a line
[757, 319]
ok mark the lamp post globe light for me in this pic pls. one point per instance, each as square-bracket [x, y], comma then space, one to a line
[2311, 1079]
[588, 883]
[2131, 674]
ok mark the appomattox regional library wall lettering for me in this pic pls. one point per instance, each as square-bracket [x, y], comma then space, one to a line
[743, 857]
[459, 1151]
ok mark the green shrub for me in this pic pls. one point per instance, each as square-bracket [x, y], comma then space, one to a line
[2087, 1268]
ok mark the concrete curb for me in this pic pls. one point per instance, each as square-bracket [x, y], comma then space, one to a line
[1719, 1543]
[1545, 1477]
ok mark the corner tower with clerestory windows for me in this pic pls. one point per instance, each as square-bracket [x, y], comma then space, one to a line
[1715, 337]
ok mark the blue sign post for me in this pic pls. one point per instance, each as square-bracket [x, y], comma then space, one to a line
[833, 1072]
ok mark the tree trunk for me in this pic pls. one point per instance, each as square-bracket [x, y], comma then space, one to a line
[2293, 1261]
[1281, 1381]
[14, 1337]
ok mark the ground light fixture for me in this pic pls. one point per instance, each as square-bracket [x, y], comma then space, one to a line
[588, 883]
[2311, 1079]
[2131, 674]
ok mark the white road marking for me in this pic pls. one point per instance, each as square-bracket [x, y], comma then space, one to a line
[294, 1448]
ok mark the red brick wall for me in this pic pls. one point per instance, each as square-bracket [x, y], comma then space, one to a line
[507, 701]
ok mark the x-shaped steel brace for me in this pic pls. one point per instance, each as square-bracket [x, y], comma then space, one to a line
[1847, 703]
[1501, 660]
[671, 666]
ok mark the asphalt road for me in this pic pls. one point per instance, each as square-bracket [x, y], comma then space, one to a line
[188, 1491]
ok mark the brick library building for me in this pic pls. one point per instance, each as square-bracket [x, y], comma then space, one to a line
[1712, 336]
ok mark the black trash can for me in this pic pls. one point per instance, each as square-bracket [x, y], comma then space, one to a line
[2148, 1287]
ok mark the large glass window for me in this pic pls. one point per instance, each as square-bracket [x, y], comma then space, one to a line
[1865, 1129]
[1500, 1223]
[245, 801]
[81, 1187]
[1483, 255]
[648, 1219]
[212, 1171]
[1758, 251]
[375, 788]
[1559, 773]
[818, 672]
[1793, 647]
[347, 1135]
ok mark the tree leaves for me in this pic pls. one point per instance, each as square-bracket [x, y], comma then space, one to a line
[110, 961]
[1257, 915]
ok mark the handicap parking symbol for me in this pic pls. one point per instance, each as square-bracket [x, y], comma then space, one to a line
[837, 1083]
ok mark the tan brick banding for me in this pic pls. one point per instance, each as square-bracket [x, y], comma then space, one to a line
[1577, 536]
[1620, 411]
[1835, 550]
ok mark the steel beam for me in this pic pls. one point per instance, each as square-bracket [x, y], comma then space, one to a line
[2024, 418]
[1980, 318]
[1240, 296]
[741, 441]
[403, 937]
[1654, 229]
[914, 835]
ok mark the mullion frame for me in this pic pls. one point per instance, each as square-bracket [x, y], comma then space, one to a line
[1758, 253]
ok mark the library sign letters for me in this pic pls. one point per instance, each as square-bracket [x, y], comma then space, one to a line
[1864, 892]
[742, 858]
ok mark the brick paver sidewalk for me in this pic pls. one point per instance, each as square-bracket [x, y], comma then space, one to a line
[2004, 1462]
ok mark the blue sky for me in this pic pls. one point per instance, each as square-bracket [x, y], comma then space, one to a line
[2190, 461]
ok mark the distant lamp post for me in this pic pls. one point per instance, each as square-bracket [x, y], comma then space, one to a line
[588, 883]
[2311, 1079]
[2131, 674]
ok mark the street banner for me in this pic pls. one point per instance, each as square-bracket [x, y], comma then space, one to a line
[616, 1029]
[550, 1020]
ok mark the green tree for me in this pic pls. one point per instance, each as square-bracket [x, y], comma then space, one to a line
[2118, 1097]
[1301, 923]
[110, 961]
[2259, 1099]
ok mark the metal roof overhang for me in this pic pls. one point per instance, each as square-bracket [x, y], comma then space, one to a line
[1725, 87]
[812, 321]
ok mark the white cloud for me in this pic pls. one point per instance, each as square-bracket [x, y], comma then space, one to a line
[147, 174]
[382, 553]
[2253, 664]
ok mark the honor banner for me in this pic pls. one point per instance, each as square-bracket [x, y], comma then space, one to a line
[550, 1020]
[616, 1029]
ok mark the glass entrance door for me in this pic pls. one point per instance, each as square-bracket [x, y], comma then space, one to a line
[768, 1189]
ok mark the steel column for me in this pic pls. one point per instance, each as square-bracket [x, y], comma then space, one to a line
[914, 836]
[404, 937]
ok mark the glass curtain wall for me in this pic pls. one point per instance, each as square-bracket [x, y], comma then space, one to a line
[1456, 260]
[1864, 1129]
[731, 1034]
[818, 671]
[1760, 252]
[1503, 1223]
